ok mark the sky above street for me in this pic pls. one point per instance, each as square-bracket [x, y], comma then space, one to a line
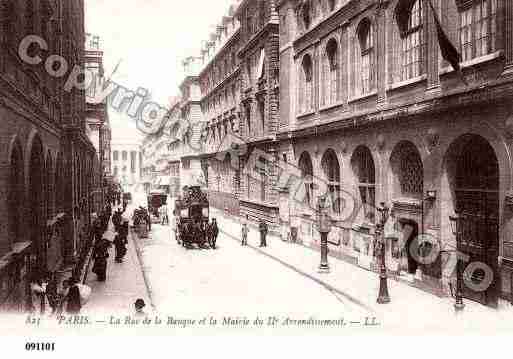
[150, 38]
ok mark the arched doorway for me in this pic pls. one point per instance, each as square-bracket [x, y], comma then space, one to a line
[306, 168]
[35, 201]
[59, 184]
[407, 186]
[364, 172]
[331, 169]
[473, 170]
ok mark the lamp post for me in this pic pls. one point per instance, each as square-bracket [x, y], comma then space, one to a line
[324, 223]
[456, 230]
[383, 296]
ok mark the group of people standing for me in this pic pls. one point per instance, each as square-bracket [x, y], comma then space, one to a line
[102, 245]
[262, 228]
[47, 296]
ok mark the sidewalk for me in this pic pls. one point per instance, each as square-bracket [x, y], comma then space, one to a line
[125, 283]
[409, 306]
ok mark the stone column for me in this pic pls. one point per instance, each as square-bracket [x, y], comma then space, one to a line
[380, 42]
[508, 37]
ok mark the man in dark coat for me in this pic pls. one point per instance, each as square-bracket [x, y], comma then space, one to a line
[73, 304]
[120, 243]
[262, 227]
[214, 232]
[100, 255]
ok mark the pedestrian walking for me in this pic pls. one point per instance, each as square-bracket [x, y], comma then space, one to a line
[73, 303]
[100, 256]
[120, 243]
[262, 227]
[245, 232]
[52, 293]
[215, 232]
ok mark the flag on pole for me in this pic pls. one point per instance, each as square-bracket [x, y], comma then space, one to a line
[447, 49]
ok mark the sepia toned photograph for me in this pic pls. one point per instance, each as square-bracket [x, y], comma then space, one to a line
[259, 167]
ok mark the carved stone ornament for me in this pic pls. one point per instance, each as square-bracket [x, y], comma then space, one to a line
[380, 141]
[509, 126]
[432, 138]
[343, 147]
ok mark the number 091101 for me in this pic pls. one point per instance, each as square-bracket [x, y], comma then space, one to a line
[47, 347]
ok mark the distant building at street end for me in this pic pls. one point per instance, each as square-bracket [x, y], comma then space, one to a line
[126, 163]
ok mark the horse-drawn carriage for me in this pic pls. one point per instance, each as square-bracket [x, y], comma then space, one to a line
[192, 211]
[156, 199]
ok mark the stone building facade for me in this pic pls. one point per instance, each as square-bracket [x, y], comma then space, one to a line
[353, 99]
[219, 80]
[239, 99]
[47, 161]
[97, 117]
[371, 113]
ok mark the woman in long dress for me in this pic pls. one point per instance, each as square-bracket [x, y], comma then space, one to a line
[101, 254]
[73, 304]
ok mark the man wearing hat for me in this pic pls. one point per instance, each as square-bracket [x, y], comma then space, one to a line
[139, 308]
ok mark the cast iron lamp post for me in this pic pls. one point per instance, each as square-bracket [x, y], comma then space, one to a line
[456, 230]
[383, 296]
[324, 223]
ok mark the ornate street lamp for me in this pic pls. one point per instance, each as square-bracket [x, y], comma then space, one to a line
[383, 296]
[456, 230]
[324, 223]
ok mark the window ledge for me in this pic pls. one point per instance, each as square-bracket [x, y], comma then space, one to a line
[473, 62]
[305, 114]
[361, 97]
[408, 82]
[329, 107]
[259, 203]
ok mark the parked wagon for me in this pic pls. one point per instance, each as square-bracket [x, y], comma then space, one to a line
[192, 211]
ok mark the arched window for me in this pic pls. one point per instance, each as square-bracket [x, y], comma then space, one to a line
[363, 168]
[306, 168]
[15, 195]
[115, 155]
[124, 155]
[365, 58]
[477, 27]
[331, 73]
[263, 168]
[409, 17]
[408, 171]
[248, 119]
[305, 98]
[331, 169]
